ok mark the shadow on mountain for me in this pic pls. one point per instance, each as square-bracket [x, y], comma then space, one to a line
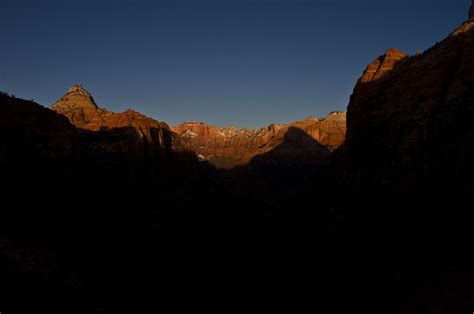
[247, 200]
[278, 173]
[155, 162]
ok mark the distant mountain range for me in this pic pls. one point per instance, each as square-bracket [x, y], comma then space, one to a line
[222, 147]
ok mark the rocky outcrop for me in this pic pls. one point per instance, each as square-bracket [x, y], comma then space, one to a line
[127, 133]
[382, 65]
[78, 105]
[228, 147]
[410, 119]
[80, 108]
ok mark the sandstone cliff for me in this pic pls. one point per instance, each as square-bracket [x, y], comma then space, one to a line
[127, 133]
[78, 105]
[410, 119]
[408, 164]
[228, 147]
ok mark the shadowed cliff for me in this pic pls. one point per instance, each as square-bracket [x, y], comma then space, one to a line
[406, 163]
[278, 173]
[412, 127]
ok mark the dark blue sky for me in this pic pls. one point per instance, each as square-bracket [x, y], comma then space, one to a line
[241, 62]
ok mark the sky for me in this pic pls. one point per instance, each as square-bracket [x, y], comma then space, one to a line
[246, 63]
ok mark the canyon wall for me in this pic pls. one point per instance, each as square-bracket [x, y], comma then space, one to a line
[310, 140]
[411, 118]
[127, 135]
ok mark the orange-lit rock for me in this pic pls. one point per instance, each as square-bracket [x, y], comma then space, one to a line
[228, 147]
[142, 136]
[78, 105]
[410, 119]
[382, 65]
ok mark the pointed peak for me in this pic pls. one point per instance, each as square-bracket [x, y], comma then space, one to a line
[394, 52]
[311, 118]
[77, 104]
[78, 89]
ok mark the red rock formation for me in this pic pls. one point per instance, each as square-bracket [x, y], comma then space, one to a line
[228, 147]
[382, 65]
[78, 105]
[224, 147]
[135, 134]
[411, 118]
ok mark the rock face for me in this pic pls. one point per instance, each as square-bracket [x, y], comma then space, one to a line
[228, 147]
[80, 108]
[410, 119]
[408, 160]
[382, 65]
[78, 105]
[127, 132]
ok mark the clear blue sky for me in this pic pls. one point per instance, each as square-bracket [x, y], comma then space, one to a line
[241, 62]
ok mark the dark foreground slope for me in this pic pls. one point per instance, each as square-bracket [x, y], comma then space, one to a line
[80, 209]
[115, 206]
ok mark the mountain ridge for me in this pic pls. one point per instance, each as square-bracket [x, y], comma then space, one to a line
[229, 147]
[224, 148]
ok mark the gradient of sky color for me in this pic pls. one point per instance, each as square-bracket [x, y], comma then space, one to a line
[241, 62]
